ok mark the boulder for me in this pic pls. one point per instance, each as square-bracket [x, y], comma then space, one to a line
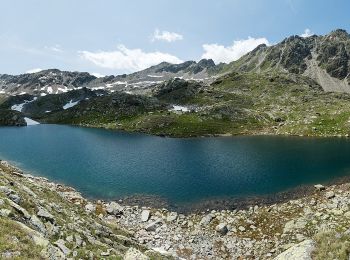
[330, 194]
[294, 224]
[133, 254]
[61, 245]
[222, 229]
[43, 213]
[301, 251]
[206, 220]
[89, 208]
[35, 221]
[171, 217]
[145, 215]
[19, 209]
[152, 226]
[114, 208]
[319, 187]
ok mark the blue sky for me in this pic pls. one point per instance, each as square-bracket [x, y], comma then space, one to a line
[114, 37]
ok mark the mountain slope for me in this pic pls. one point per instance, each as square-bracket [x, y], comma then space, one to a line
[54, 81]
[322, 58]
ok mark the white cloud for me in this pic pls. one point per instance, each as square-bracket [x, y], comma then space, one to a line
[307, 33]
[166, 36]
[34, 70]
[127, 59]
[220, 53]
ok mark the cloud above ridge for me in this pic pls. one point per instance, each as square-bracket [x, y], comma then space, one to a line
[220, 53]
[127, 59]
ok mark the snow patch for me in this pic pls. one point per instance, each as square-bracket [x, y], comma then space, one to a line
[179, 108]
[31, 121]
[19, 107]
[70, 104]
[155, 76]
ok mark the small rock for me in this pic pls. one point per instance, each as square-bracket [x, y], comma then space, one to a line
[133, 254]
[5, 212]
[330, 194]
[292, 225]
[90, 208]
[19, 209]
[242, 229]
[171, 217]
[319, 187]
[152, 226]
[69, 239]
[43, 213]
[36, 222]
[78, 240]
[145, 215]
[105, 253]
[60, 244]
[114, 208]
[222, 228]
[206, 220]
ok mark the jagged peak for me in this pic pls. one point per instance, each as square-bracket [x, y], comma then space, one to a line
[339, 33]
[206, 63]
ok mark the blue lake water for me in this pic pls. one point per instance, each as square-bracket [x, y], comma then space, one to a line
[109, 165]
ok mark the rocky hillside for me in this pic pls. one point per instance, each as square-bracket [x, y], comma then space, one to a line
[322, 58]
[43, 220]
[11, 118]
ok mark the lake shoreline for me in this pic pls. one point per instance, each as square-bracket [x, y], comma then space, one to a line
[263, 232]
[239, 134]
[204, 205]
[239, 203]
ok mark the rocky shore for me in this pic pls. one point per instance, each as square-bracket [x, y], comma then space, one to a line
[44, 220]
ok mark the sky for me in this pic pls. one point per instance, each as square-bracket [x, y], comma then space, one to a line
[106, 37]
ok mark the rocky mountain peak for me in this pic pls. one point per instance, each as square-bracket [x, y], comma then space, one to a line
[339, 34]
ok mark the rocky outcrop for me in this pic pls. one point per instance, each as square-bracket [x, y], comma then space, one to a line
[49, 222]
[325, 59]
[11, 118]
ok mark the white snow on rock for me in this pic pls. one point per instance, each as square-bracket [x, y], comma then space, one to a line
[19, 107]
[180, 108]
[155, 76]
[70, 104]
[31, 121]
[49, 90]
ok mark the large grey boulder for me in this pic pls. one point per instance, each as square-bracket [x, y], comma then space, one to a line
[301, 251]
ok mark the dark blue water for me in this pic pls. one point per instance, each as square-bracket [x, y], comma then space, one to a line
[109, 165]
